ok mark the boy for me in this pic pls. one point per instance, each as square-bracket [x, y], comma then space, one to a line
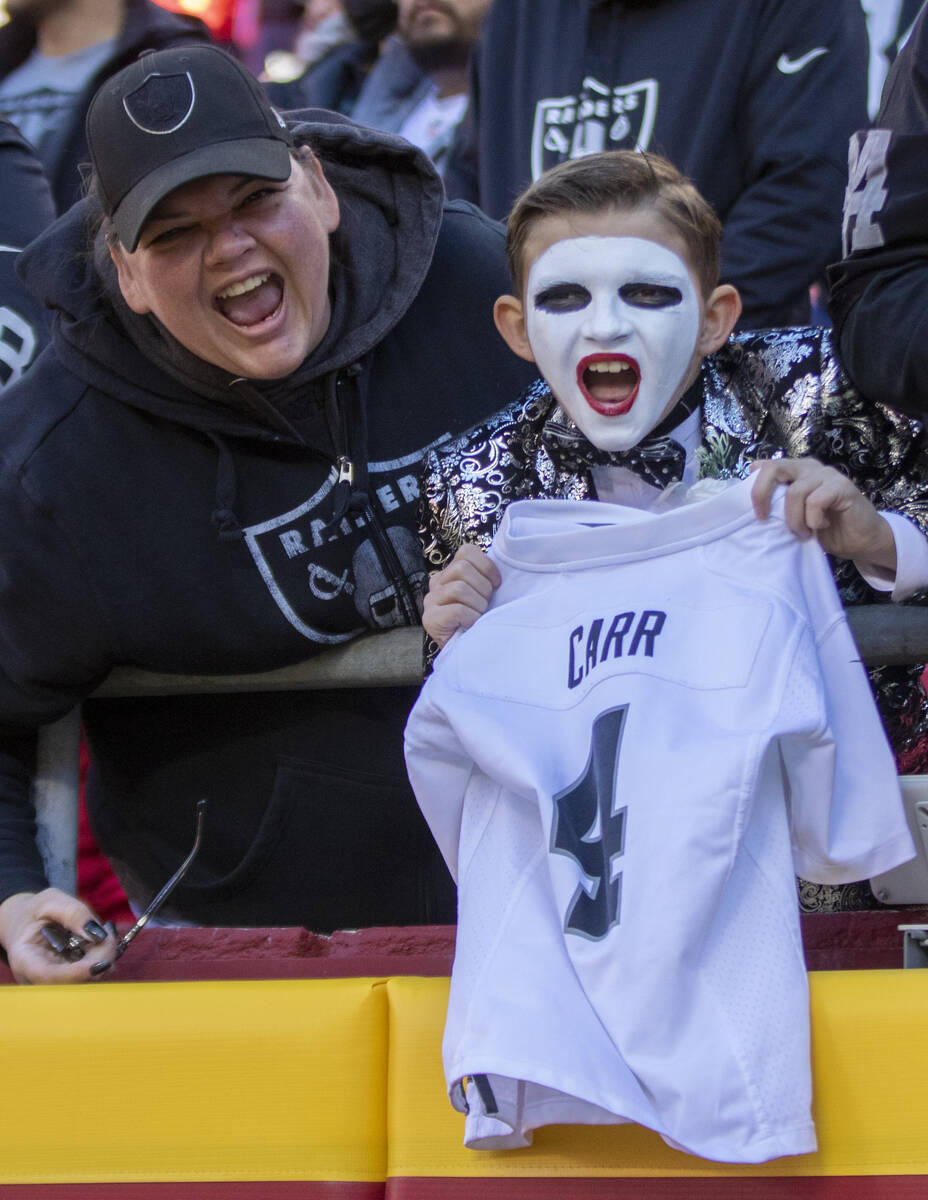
[614, 259]
[661, 716]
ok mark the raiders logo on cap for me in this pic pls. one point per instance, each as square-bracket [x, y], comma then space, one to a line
[162, 104]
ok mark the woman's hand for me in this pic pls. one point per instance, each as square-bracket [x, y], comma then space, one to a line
[823, 503]
[459, 594]
[32, 959]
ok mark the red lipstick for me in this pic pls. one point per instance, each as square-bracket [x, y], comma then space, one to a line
[609, 393]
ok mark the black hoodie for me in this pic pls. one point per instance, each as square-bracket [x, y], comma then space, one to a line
[754, 100]
[158, 513]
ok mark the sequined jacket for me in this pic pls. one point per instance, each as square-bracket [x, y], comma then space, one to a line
[781, 393]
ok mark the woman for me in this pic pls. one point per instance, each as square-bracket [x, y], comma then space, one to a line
[213, 470]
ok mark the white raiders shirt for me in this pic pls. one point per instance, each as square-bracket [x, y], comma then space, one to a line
[660, 721]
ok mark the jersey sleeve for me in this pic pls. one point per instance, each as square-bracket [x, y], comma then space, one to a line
[846, 814]
[439, 769]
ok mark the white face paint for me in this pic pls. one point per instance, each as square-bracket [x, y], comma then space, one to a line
[613, 323]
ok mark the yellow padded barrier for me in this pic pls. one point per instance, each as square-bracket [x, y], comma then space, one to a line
[340, 1080]
[193, 1081]
[870, 1064]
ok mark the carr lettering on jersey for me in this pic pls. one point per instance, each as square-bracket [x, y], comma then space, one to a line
[568, 650]
[631, 633]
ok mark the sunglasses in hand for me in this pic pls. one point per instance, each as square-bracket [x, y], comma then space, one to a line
[71, 947]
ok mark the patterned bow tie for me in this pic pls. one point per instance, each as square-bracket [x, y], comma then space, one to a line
[658, 459]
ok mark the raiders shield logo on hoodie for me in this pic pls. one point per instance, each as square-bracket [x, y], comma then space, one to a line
[599, 118]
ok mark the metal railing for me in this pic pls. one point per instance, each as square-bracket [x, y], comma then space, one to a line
[389, 659]
[885, 635]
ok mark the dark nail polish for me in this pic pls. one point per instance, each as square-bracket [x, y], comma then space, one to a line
[100, 968]
[57, 936]
[95, 931]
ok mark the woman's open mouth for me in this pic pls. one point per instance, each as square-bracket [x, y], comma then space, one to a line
[251, 301]
[609, 382]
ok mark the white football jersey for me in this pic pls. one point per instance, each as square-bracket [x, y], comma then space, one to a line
[659, 722]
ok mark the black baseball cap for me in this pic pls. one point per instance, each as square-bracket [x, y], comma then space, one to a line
[177, 115]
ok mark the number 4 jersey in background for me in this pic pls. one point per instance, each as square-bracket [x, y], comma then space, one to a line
[660, 721]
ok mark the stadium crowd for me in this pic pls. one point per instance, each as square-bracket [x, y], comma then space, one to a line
[248, 269]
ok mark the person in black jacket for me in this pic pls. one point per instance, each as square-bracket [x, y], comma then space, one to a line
[753, 101]
[54, 54]
[273, 323]
[879, 291]
[26, 208]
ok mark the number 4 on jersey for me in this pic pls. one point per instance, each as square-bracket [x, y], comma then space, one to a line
[866, 190]
[588, 828]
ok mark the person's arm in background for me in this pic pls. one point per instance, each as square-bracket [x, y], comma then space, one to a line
[461, 171]
[879, 291]
[804, 92]
[26, 207]
[54, 650]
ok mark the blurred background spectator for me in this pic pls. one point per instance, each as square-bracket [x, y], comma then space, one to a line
[263, 28]
[221, 17]
[54, 54]
[412, 81]
[335, 79]
[753, 101]
[418, 86]
[889, 24]
[322, 28]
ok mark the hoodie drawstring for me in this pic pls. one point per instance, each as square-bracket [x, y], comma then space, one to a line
[224, 516]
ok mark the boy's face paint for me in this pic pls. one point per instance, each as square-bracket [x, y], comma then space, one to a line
[613, 324]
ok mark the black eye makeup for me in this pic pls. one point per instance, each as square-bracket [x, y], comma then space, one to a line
[562, 297]
[650, 295]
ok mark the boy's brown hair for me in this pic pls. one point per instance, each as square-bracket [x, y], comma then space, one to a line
[623, 180]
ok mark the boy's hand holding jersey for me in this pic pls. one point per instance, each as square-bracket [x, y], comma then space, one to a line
[820, 503]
